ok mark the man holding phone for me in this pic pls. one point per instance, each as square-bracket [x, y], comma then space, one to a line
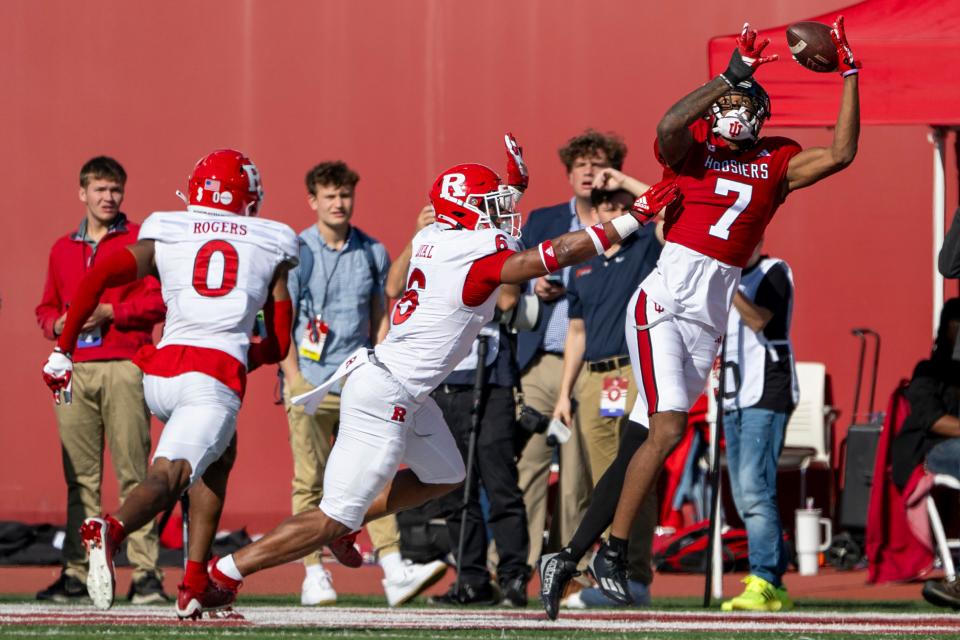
[540, 352]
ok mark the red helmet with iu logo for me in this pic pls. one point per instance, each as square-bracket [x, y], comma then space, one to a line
[472, 196]
[226, 180]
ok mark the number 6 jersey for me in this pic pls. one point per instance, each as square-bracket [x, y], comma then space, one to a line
[215, 272]
[450, 295]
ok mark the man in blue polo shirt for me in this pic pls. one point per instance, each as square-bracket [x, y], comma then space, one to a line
[598, 380]
[339, 307]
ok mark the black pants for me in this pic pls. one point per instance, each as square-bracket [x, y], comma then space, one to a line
[495, 466]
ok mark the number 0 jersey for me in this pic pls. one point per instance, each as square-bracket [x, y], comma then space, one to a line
[433, 325]
[215, 273]
[727, 201]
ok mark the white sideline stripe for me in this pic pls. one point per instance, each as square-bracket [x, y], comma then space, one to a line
[865, 623]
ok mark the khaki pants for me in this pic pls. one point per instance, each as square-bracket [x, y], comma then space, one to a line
[541, 386]
[107, 406]
[311, 438]
[601, 435]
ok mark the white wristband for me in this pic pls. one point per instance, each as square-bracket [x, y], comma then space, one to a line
[625, 225]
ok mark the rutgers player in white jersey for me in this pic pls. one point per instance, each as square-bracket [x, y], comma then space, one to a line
[218, 267]
[387, 417]
[732, 181]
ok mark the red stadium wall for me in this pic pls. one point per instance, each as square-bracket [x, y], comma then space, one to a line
[400, 90]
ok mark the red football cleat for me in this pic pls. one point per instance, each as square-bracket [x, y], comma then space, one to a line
[101, 538]
[345, 551]
[191, 604]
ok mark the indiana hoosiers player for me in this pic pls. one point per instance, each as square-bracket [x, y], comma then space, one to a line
[732, 181]
[218, 266]
[387, 416]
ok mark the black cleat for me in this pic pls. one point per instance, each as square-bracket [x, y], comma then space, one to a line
[484, 594]
[609, 569]
[556, 570]
[147, 590]
[65, 589]
[514, 591]
[942, 593]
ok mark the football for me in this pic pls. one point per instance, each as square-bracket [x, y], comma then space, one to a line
[812, 47]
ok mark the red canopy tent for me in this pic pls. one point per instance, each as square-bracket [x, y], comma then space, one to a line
[909, 49]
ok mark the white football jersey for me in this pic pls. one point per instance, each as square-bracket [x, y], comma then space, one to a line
[431, 329]
[215, 272]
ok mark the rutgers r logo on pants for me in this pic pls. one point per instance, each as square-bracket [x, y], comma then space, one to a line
[399, 414]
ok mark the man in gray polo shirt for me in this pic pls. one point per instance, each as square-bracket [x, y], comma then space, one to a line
[339, 306]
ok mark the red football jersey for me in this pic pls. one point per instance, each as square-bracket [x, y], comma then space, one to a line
[728, 198]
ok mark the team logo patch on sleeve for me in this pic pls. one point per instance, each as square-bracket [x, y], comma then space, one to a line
[399, 414]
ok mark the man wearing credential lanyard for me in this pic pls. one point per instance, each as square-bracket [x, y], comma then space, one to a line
[337, 291]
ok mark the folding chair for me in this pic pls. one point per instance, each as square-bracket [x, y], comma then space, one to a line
[944, 545]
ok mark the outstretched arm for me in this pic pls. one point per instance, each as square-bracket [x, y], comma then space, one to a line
[812, 165]
[577, 246]
[673, 134]
[118, 269]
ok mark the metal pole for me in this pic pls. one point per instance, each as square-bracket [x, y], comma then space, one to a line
[876, 363]
[476, 415]
[713, 541]
[937, 138]
[856, 388]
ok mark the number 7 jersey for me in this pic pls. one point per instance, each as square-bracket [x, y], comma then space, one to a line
[215, 272]
[728, 198]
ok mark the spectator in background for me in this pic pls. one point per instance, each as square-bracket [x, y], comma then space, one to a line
[931, 431]
[948, 261]
[495, 464]
[761, 393]
[598, 294]
[108, 402]
[540, 352]
[339, 307]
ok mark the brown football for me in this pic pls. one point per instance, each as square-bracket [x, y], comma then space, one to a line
[812, 47]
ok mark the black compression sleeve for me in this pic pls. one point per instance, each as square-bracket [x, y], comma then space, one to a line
[606, 494]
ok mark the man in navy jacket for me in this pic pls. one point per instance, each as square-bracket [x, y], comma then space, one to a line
[540, 352]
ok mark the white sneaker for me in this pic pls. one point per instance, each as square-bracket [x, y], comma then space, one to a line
[403, 586]
[317, 589]
[573, 601]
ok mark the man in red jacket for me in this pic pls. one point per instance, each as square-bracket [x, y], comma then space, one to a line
[108, 402]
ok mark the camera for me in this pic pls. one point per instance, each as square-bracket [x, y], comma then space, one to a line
[532, 421]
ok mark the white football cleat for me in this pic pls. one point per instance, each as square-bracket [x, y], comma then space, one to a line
[404, 585]
[318, 589]
[101, 581]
